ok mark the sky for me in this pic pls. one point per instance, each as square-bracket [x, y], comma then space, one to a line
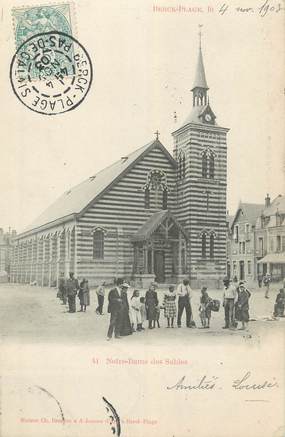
[144, 65]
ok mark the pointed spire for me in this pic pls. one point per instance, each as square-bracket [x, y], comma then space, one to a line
[200, 78]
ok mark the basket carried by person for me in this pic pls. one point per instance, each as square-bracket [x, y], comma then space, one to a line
[215, 305]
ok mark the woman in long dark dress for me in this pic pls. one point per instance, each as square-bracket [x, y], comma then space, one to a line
[84, 294]
[126, 327]
[151, 302]
[242, 306]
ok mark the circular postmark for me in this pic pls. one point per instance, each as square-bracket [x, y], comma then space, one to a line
[51, 73]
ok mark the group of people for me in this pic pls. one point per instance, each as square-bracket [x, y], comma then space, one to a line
[236, 304]
[129, 315]
[69, 289]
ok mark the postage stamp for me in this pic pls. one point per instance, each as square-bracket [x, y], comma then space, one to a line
[30, 21]
[51, 73]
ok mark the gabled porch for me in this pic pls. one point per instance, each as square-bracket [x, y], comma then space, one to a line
[160, 250]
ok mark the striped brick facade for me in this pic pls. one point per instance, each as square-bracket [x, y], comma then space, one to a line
[148, 216]
[121, 212]
[202, 201]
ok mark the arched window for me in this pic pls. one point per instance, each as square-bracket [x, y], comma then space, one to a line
[146, 198]
[156, 184]
[212, 246]
[164, 199]
[204, 164]
[98, 244]
[204, 245]
[211, 166]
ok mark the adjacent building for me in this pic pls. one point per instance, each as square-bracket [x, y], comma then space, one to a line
[149, 216]
[6, 241]
[270, 238]
[256, 241]
[242, 256]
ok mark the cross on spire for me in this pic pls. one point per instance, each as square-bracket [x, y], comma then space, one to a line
[200, 86]
[157, 135]
[200, 35]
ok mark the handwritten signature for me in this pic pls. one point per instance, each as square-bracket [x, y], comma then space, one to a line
[246, 382]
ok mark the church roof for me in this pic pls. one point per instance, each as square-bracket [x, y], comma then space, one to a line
[151, 225]
[200, 77]
[80, 196]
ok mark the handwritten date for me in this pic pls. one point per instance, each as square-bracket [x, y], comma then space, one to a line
[266, 7]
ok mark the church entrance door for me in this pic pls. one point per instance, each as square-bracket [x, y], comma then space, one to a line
[159, 264]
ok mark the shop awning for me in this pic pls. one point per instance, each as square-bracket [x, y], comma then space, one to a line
[273, 258]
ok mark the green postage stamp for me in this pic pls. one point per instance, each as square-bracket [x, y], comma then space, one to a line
[51, 71]
[30, 21]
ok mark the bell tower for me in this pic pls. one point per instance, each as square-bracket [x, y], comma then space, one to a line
[200, 149]
[200, 86]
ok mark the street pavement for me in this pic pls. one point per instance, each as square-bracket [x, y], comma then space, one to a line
[33, 314]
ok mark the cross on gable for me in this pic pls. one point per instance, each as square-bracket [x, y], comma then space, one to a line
[157, 135]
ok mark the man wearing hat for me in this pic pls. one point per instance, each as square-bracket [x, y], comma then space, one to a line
[125, 323]
[229, 299]
[72, 286]
[115, 309]
[184, 294]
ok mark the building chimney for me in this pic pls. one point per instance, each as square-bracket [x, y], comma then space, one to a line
[267, 201]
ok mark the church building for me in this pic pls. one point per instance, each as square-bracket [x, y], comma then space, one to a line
[149, 216]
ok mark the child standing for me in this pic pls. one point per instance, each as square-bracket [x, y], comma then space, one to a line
[205, 308]
[170, 306]
[135, 305]
[157, 316]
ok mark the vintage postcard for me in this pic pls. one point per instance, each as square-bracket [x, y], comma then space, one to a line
[142, 218]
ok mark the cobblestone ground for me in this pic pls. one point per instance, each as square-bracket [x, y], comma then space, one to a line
[34, 314]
